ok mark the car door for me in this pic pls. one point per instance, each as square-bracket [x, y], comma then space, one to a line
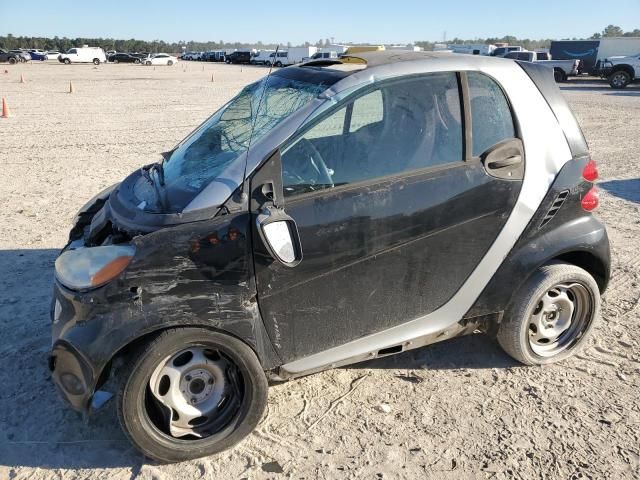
[395, 205]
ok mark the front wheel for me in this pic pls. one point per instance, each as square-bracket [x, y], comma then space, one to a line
[147, 63]
[67, 61]
[96, 61]
[551, 316]
[12, 61]
[191, 392]
[170, 62]
[619, 79]
[278, 64]
[136, 61]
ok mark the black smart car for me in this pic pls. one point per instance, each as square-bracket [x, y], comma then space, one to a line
[333, 212]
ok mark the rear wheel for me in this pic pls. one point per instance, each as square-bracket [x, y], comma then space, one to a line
[278, 64]
[191, 393]
[147, 62]
[115, 60]
[136, 61]
[67, 61]
[12, 61]
[619, 79]
[170, 62]
[551, 316]
[96, 61]
[559, 75]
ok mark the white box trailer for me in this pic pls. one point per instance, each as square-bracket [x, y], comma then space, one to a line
[298, 55]
[471, 48]
[618, 47]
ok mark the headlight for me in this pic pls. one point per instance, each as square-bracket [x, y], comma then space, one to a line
[93, 266]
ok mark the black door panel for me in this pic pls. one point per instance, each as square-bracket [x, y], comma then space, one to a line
[377, 255]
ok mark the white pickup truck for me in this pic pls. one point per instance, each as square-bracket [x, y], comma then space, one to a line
[562, 69]
[620, 71]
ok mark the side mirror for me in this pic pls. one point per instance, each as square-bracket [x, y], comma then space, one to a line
[279, 233]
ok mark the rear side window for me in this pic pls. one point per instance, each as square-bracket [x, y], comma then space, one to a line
[367, 110]
[398, 127]
[491, 118]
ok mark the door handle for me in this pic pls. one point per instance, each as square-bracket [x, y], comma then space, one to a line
[505, 162]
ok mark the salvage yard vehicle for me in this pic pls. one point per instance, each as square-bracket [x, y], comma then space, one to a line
[330, 213]
[160, 59]
[123, 58]
[262, 57]
[9, 57]
[37, 54]
[22, 55]
[239, 56]
[83, 54]
[620, 71]
[562, 69]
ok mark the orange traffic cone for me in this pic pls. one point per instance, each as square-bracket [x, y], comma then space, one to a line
[22, 79]
[70, 87]
[5, 109]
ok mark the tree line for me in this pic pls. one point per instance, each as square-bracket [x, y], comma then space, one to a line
[132, 45]
[63, 44]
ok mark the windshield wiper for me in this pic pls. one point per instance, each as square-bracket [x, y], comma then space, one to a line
[159, 169]
[147, 174]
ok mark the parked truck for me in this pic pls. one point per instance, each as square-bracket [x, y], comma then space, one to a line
[620, 71]
[562, 69]
[592, 51]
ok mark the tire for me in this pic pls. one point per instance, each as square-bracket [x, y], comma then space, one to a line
[67, 61]
[147, 63]
[12, 61]
[170, 62]
[96, 61]
[115, 60]
[240, 407]
[278, 64]
[227, 62]
[516, 333]
[559, 76]
[619, 79]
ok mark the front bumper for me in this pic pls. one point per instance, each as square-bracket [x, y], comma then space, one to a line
[73, 373]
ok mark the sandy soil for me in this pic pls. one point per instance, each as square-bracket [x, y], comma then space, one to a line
[457, 410]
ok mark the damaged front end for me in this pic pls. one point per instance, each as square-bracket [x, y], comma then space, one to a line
[117, 283]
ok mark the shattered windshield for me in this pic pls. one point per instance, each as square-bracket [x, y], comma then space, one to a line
[221, 139]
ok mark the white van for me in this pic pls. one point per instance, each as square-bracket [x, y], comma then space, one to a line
[83, 54]
[262, 57]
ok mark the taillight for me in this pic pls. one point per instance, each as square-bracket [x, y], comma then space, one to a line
[590, 172]
[591, 200]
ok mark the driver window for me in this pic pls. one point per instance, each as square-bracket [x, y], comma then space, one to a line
[401, 126]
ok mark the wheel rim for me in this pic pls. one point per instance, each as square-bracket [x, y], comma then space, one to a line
[618, 79]
[200, 390]
[560, 318]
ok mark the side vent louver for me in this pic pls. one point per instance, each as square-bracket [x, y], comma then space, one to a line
[555, 206]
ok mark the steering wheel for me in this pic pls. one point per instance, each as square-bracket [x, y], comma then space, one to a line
[316, 162]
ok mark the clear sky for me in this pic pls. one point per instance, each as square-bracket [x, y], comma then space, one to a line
[299, 21]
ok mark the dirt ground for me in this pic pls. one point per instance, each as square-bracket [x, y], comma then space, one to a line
[457, 410]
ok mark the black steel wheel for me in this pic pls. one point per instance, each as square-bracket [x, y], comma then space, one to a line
[551, 316]
[191, 392]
